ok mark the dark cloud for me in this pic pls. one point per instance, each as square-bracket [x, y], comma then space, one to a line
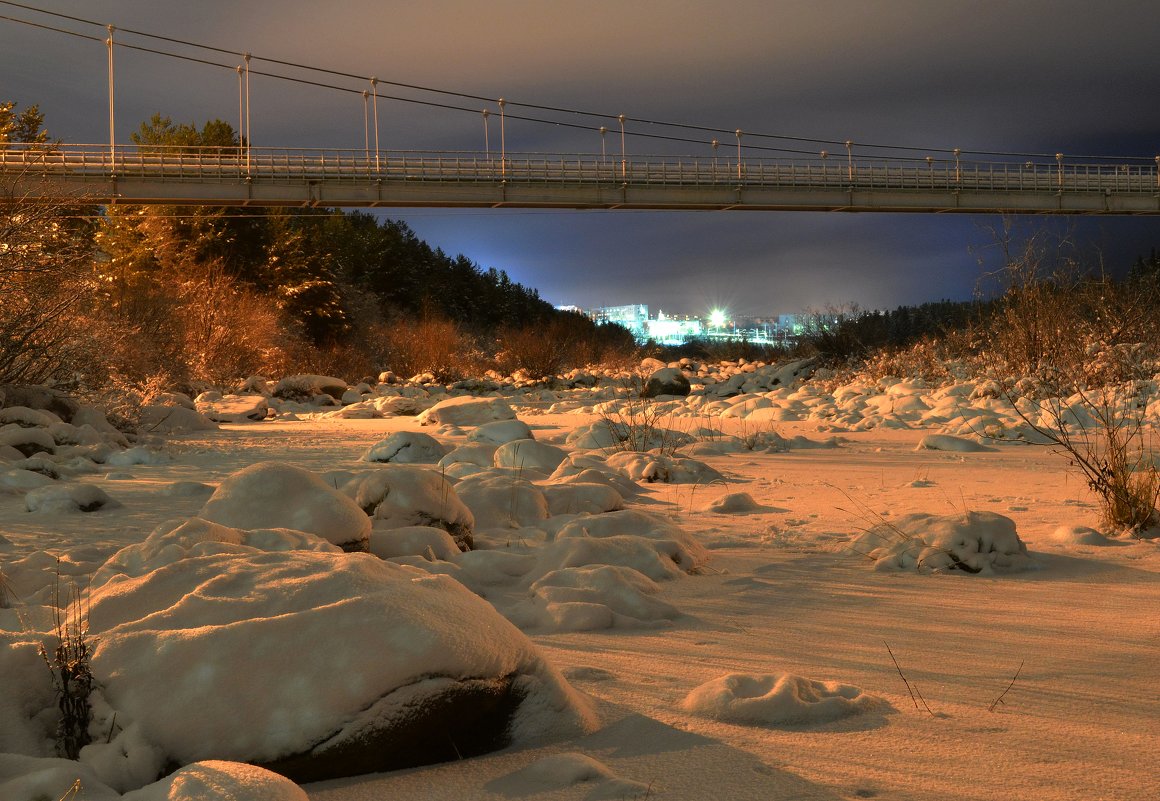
[1038, 75]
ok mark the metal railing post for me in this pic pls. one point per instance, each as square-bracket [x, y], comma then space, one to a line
[112, 120]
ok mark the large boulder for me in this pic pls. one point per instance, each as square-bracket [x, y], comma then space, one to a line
[316, 666]
[467, 411]
[233, 408]
[666, 381]
[305, 388]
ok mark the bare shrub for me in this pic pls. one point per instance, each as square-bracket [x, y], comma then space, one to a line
[641, 424]
[72, 677]
[431, 344]
[229, 331]
[1105, 436]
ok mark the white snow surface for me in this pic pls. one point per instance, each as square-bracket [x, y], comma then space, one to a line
[698, 590]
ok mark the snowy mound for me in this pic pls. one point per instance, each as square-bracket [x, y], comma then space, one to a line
[948, 442]
[233, 408]
[398, 496]
[316, 665]
[527, 454]
[654, 467]
[215, 780]
[561, 771]
[467, 411]
[275, 495]
[501, 431]
[1078, 535]
[68, 498]
[407, 447]
[499, 501]
[733, 503]
[594, 598]
[778, 699]
[199, 537]
[978, 542]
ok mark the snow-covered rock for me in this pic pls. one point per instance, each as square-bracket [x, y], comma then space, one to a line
[205, 658]
[398, 496]
[407, 447]
[500, 431]
[467, 411]
[234, 408]
[276, 495]
[977, 542]
[307, 388]
[528, 454]
[58, 498]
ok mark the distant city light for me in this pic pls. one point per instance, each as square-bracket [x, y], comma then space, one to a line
[717, 318]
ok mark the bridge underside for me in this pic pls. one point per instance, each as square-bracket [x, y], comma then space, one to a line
[566, 195]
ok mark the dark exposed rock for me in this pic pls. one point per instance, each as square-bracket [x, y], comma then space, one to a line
[443, 720]
[666, 381]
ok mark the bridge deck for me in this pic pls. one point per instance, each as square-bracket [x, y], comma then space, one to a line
[237, 177]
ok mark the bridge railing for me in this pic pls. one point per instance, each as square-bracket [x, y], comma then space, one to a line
[282, 165]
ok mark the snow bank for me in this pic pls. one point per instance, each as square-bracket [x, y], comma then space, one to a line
[777, 700]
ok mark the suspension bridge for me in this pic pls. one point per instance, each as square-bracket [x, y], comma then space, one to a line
[764, 172]
[106, 175]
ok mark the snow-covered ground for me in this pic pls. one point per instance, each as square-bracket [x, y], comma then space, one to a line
[737, 627]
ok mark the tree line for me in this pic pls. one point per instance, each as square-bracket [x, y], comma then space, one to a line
[182, 295]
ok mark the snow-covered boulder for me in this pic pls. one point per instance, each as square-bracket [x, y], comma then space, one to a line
[500, 431]
[398, 496]
[233, 408]
[582, 497]
[407, 447]
[467, 411]
[57, 498]
[426, 541]
[32, 778]
[317, 665]
[503, 501]
[173, 541]
[528, 454]
[157, 419]
[977, 542]
[26, 439]
[481, 454]
[666, 381]
[306, 388]
[276, 495]
[653, 467]
[948, 442]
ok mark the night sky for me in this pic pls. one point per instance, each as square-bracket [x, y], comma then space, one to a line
[1030, 76]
